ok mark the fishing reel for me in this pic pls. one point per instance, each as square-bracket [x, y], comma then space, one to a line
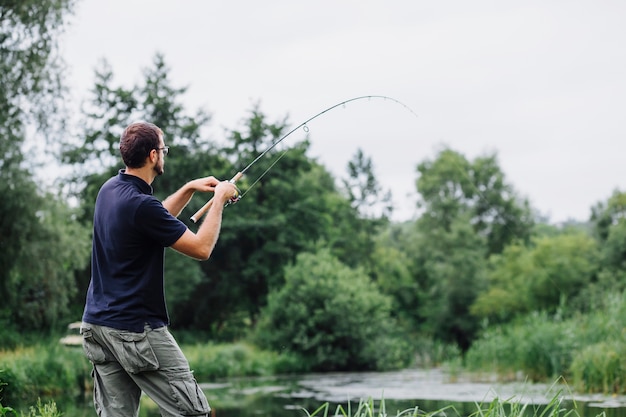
[236, 197]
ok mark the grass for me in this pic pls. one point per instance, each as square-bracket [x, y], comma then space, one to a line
[496, 408]
[369, 408]
[48, 409]
[210, 362]
[588, 350]
[42, 371]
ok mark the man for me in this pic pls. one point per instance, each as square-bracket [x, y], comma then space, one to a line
[125, 320]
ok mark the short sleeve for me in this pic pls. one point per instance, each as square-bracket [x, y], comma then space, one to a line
[156, 222]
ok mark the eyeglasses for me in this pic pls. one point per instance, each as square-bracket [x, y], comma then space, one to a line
[165, 149]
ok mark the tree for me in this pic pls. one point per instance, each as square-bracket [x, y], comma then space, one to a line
[30, 70]
[289, 209]
[392, 272]
[372, 207]
[331, 316]
[33, 270]
[28, 31]
[538, 277]
[469, 213]
[450, 272]
[363, 189]
[606, 215]
[608, 220]
[94, 152]
[451, 186]
[41, 284]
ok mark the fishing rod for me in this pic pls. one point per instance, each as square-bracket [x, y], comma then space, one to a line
[238, 196]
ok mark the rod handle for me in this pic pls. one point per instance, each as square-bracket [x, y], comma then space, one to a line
[209, 203]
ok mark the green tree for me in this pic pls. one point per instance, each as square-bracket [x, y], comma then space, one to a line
[451, 186]
[608, 221]
[609, 226]
[332, 316]
[605, 215]
[392, 271]
[469, 213]
[285, 213]
[30, 70]
[41, 284]
[538, 277]
[363, 189]
[33, 269]
[372, 207]
[451, 274]
[94, 152]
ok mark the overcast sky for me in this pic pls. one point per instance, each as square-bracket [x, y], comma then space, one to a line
[540, 83]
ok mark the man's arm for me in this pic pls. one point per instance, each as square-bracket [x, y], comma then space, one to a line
[200, 245]
[176, 202]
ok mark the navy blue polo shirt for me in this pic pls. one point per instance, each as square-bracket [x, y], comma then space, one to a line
[131, 230]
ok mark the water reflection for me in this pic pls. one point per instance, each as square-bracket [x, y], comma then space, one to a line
[429, 390]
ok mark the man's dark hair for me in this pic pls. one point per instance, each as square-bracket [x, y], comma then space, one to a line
[137, 141]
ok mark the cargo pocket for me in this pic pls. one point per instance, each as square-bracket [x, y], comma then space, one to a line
[133, 351]
[189, 398]
[93, 351]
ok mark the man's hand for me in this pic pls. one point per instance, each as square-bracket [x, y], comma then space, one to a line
[177, 201]
[205, 185]
[224, 191]
[200, 245]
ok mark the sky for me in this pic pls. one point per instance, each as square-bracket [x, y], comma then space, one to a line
[539, 83]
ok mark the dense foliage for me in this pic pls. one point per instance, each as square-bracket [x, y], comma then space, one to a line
[40, 244]
[333, 316]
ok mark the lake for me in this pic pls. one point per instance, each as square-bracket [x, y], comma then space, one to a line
[430, 390]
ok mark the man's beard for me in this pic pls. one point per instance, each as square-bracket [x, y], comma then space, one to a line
[158, 168]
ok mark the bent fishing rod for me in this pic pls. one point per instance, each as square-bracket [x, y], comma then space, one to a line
[238, 196]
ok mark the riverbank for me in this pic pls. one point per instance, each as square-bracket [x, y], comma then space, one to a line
[240, 375]
[427, 390]
[409, 385]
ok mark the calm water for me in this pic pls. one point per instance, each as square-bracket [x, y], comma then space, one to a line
[429, 390]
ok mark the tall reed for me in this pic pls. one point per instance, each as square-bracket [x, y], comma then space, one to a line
[496, 408]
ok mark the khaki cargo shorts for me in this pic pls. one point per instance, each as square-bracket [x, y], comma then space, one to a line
[125, 364]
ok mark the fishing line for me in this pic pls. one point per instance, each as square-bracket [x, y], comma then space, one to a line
[305, 127]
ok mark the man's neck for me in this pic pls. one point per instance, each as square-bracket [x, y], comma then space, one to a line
[145, 173]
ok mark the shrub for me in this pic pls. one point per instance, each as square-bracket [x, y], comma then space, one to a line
[48, 369]
[210, 362]
[48, 409]
[600, 368]
[588, 347]
[541, 346]
[333, 317]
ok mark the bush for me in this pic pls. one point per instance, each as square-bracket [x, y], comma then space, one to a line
[600, 368]
[588, 347]
[333, 317]
[49, 369]
[540, 346]
[48, 409]
[210, 362]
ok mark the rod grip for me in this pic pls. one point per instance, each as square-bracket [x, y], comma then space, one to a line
[209, 203]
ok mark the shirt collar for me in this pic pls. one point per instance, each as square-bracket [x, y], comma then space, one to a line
[143, 186]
